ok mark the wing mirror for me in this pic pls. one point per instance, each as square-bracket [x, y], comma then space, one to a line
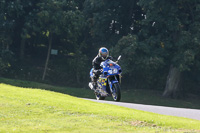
[118, 58]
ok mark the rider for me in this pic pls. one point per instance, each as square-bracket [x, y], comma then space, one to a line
[97, 69]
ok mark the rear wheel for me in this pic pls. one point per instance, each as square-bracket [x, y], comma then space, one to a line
[116, 93]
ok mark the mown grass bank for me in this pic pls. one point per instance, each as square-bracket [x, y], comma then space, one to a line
[150, 97]
[36, 110]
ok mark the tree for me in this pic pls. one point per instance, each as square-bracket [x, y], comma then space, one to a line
[7, 23]
[140, 65]
[68, 27]
[109, 20]
[171, 25]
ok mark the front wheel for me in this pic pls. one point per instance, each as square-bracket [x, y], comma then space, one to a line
[116, 93]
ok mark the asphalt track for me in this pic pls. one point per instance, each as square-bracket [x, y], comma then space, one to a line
[180, 112]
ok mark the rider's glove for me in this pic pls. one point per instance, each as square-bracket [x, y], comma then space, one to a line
[98, 72]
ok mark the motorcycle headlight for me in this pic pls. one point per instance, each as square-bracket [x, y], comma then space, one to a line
[115, 70]
[110, 71]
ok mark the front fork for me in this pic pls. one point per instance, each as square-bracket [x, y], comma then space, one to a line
[111, 82]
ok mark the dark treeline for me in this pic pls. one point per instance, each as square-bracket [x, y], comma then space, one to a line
[55, 41]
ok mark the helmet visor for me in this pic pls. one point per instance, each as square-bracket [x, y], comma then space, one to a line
[104, 55]
[103, 52]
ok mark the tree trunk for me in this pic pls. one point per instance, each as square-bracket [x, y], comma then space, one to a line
[48, 56]
[172, 87]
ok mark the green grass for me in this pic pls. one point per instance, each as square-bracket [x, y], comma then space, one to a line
[36, 110]
[150, 97]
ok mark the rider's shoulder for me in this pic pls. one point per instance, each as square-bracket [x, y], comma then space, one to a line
[97, 59]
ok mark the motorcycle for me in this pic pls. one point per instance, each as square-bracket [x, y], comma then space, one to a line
[108, 83]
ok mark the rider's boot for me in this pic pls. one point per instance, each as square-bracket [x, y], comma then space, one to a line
[94, 85]
[96, 91]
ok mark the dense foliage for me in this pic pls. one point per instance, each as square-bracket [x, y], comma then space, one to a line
[151, 35]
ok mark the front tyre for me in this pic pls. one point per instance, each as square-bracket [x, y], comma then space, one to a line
[116, 93]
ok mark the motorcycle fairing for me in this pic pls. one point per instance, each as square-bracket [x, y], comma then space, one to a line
[102, 84]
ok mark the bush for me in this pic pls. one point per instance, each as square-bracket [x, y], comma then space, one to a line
[142, 68]
[6, 59]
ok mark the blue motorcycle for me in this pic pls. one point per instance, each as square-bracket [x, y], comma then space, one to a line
[109, 81]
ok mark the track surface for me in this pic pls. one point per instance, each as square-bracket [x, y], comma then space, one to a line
[180, 112]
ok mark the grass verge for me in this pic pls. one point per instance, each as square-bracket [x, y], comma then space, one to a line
[149, 97]
[36, 110]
